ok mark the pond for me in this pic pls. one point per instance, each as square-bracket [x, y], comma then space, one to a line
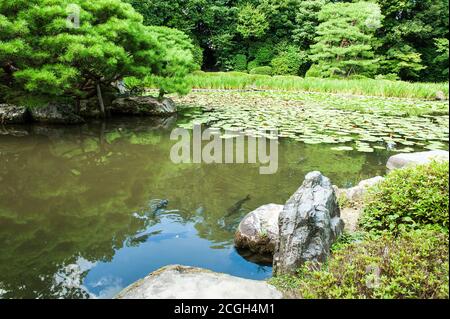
[77, 204]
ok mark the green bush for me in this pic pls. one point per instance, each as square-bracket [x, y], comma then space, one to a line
[288, 62]
[252, 64]
[412, 265]
[264, 55]
[313, 72]
[409, 198]
[262, 70]
[240, 63]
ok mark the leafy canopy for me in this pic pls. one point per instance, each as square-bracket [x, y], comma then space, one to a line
[42, 53]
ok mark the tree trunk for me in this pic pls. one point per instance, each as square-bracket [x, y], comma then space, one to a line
[100, 101]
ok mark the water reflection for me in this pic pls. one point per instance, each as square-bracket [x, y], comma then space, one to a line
[77, 214]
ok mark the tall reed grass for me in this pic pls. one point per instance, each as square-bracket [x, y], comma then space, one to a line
[371, 87]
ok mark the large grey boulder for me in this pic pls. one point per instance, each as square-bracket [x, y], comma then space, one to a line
[258, 231]
[55, 113]
[143, 105]
[13, 114]
[181, 282]
[308, 225]
[408, 159]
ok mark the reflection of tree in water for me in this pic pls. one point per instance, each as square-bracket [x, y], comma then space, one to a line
[71, 192]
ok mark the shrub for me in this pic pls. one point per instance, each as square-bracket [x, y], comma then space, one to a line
[313, 72]
[413, 265]
[262, 70]
[288, 62]
[252, 64]
[409, 198]
[240, 63]
[264, 55]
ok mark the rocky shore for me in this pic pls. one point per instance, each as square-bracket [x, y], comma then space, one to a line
[60, 113]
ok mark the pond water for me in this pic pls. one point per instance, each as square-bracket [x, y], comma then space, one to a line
[77, 205]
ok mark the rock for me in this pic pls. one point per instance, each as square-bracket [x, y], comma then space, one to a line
[143, 105]
[356, 193]
[353, 201]
[12, 114]
[308, 225]
[258, 231]
[54, 113]
[181, 282]
[407, 159]
[439, 96]
[90, 108]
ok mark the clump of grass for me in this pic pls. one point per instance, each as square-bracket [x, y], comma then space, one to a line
[385, 88]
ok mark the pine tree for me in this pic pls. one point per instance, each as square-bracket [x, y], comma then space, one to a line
[345, 42]
[75, 48]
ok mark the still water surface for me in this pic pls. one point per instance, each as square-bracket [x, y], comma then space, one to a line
[78, 215]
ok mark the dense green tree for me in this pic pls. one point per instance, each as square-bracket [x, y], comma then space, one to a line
[442, 48]
[408, 35]
[252, 22]
[307, 20]
[345, 41]
[45, 54]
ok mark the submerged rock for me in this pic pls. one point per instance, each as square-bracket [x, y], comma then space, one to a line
[182, 282]
[13, 114]
[258, 231]
[407, 159]
[54, 113]
[308, 225]
[143, 105]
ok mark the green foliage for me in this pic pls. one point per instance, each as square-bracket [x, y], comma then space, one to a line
[44, 56]
[264, 54]
[410, 28]
[403, 61]
[251, 22]
[197, 53]
[409, 198]
[307, 20]
[345, 41]
[413, 265]
[313, 72]
[263, 70]
[442, 49]
[405, 43]
[240, 63]
[252, 64]
[288, 61]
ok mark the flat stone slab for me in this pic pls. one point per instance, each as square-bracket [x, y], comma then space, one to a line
[182, 282]
[407, 159]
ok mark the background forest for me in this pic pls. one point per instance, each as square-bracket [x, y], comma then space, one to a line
[389, 39]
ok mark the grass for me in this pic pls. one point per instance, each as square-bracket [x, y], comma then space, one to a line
[368, 87]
